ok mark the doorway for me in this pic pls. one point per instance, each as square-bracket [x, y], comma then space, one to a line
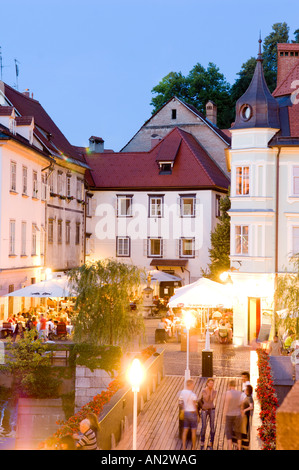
[254, 318]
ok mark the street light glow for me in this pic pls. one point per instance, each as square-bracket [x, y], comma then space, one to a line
[136, 375]
[189, 319]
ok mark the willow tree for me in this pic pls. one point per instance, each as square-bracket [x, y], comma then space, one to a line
[103, 303]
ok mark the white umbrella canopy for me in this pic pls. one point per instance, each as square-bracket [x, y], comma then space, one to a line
[58, 287]
[160, 276]
[202, 293]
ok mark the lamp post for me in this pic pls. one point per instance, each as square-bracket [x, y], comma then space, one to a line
[189, 322]
[135, 375]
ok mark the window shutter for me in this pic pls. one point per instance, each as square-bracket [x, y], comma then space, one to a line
[145, 246]
[177, 248]
[179, 209]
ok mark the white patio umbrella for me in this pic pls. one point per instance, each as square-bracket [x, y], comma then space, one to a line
[58, 287]
[202, 293]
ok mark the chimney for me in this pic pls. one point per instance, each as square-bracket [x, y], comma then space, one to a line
[27, 93]
[287, 58]
[211, 112]
[96, 144]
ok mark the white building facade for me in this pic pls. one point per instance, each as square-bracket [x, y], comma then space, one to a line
[42, 205]
[264, 164]
[155, 209]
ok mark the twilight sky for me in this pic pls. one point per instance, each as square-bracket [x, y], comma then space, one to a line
[92, 64]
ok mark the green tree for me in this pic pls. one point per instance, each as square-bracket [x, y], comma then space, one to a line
[279, 34]
[200, 86]
[104, 316]
[220, 243]
[29, 363]
[287, 298]
[173, 84]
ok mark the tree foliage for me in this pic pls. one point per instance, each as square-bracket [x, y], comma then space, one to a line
[29, 363]
[287, 298]
[202, 85]
[197, 88]
[104, 316]
[220, 243]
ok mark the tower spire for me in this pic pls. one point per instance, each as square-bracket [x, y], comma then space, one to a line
[259, 56]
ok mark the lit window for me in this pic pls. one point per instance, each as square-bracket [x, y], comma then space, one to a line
[242, 180]
[187, 247]
[187, 206]
[154, 247]
[241, 239]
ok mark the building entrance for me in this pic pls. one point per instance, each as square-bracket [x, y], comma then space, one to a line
[254, 318]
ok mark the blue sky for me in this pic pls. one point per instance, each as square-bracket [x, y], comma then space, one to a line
[92, 64]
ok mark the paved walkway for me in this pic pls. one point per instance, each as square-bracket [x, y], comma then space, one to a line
[228, 360]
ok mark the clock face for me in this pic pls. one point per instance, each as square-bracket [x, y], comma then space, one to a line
[246, 112]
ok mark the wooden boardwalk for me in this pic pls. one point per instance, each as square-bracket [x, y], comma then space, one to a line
[158, 423]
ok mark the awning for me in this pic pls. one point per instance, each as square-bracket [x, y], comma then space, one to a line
[160, 276]
[181, 263]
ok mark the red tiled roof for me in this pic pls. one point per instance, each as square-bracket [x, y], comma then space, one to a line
[45, 128]
[24, 120]
[193, 167]
[6, 110]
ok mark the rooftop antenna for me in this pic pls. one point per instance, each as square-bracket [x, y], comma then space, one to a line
[1, 65]
[17, 73]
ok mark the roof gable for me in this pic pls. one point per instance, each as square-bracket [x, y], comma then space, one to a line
[194, 113]
[193, 167]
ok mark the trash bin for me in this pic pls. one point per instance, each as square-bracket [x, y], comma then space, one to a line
[207, 363]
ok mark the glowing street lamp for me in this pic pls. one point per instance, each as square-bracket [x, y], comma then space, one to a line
[189, 321]
[135, 376]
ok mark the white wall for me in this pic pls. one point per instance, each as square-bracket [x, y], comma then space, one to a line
[105, 227]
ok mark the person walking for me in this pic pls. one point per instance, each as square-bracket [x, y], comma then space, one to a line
[232, 413]
[189, 402]
[245, 377]
[208, 411]
[247, 408]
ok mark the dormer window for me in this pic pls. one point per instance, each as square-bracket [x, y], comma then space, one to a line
[165, 168]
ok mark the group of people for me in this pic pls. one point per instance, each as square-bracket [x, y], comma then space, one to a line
[238, 409]
[221, 329]
[44, 324]
[286, 345]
